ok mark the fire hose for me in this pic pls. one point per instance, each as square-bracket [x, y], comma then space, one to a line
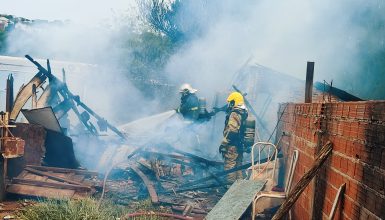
[108, 173]
[160, 214]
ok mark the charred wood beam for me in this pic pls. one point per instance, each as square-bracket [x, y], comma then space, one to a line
[50, 184]
[62, 108]
[222, 173]
[64, 170]
[163, 155]
[64, 91]
[51, 176]
[170, 157]
[202, 163]
[197, 158]
[148, 183]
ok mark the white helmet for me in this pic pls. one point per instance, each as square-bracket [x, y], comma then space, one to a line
[187, 87]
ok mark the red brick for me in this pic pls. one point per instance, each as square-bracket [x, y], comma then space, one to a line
[343, 165]
[326, 206]
[348, 208]
[352, 190]
[335, 179]
[351, 168]
[330, 193]
[335, 161]
[339, 145]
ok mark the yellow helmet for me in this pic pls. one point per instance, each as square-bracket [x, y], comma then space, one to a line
[236, 97]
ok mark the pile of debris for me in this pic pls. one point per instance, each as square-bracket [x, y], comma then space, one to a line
[186, 183]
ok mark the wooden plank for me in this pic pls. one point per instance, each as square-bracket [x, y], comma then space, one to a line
[64, 170]
[339, 195]
[49, 184]
[51, 176]
[40, 191]
[304, 181]
[149, 185]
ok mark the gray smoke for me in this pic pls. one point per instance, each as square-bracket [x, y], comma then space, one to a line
[283, 35]
[223, 34]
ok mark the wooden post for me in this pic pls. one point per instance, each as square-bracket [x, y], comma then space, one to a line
[9, 94]
[34, 97]
[64, 76]
[309, 82]
[4, 133]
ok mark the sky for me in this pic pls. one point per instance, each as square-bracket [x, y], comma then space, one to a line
[65, 9]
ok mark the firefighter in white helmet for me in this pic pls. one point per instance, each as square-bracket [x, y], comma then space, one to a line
[189, 105]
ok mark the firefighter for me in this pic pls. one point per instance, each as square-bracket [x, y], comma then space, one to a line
[189, 106]
[231, 147]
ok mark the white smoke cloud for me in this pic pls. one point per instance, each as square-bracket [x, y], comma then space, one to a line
[282, 35]
[279, 34]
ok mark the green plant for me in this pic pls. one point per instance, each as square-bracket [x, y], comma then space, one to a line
[86, 209]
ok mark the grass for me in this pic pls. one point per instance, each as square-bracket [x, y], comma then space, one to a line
[84, 209]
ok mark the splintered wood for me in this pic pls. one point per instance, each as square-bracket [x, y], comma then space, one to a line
[53, 182]
[159, 175]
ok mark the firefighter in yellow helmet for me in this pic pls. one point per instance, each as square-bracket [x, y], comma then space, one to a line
[231, 147]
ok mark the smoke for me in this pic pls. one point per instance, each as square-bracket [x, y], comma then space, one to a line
[105, 87]
[282, 35]
[221, 36]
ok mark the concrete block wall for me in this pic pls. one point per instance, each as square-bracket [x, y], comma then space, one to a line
[357, 131]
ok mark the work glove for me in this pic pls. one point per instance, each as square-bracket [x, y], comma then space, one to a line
[220, 109]
[222, 150]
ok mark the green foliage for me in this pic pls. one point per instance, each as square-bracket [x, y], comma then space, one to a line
[144, 56]
[85, 209]
[162, 17]
[150, 51]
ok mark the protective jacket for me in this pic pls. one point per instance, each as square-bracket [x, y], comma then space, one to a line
[234, 131]
[189, 106]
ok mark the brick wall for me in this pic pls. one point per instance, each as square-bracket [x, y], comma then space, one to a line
[357, 131]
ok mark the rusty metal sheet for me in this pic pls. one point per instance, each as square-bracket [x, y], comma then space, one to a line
[64, 170]
[13, 147]
[34, 149]
[44, 117]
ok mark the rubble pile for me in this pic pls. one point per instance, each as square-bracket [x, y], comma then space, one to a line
[168, 177]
